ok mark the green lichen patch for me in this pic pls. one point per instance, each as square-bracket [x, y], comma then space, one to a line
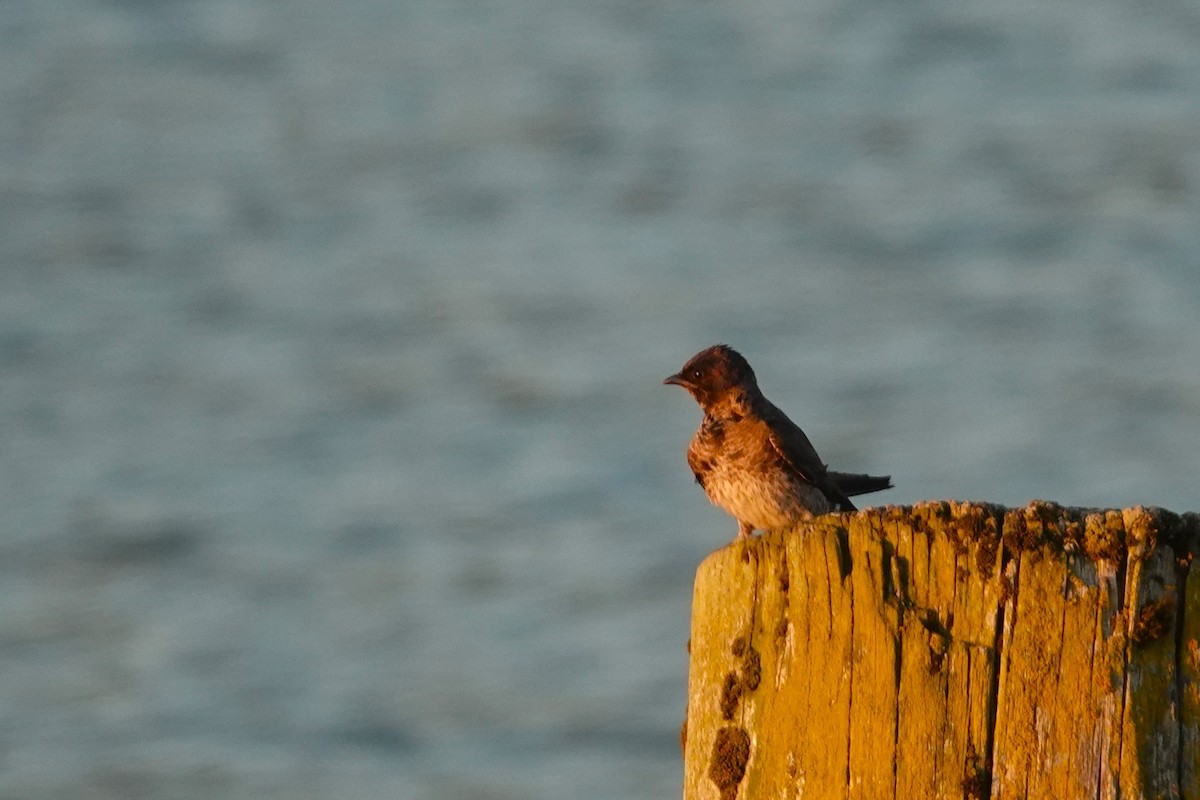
[727, 765]
[751, 669]
[977, 778]
[1154, 621]
[731, 693]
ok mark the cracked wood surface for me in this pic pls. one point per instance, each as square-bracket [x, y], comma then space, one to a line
[949, 650]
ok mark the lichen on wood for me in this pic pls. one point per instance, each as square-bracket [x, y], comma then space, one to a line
[949, 650]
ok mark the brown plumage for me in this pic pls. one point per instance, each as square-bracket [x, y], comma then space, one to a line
[750, 458]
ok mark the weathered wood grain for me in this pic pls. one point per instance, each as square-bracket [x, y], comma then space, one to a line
[949, 650]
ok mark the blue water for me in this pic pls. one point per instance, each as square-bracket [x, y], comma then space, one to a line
[331, 338]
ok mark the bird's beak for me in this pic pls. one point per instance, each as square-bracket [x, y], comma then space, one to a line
[676, 379]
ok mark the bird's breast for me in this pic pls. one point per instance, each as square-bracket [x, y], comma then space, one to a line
[743, 475]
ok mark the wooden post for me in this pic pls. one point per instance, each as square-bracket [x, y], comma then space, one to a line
[949, 650]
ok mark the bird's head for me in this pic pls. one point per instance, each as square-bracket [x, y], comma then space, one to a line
[716, 375]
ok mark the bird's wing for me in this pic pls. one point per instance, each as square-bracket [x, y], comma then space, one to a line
[793, 446]
[800, 456]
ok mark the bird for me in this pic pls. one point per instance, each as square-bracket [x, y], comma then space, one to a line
[750, 459]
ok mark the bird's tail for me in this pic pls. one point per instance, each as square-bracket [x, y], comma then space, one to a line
[860, 484]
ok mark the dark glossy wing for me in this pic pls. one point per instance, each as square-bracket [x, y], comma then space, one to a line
[798, 453]
[791, 443]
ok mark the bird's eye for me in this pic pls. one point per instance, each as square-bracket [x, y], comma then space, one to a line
[696, 374]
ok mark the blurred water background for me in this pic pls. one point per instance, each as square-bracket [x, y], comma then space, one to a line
[336, 459]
